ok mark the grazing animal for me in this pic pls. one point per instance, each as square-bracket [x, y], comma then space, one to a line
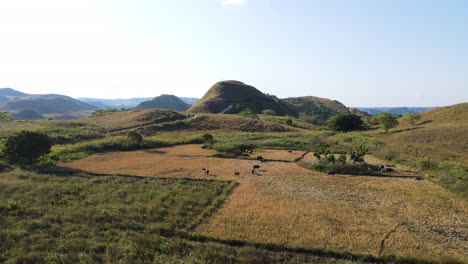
[383, 170]
[419, 178]
[204, 169]
[207, 171]
[382, 167]
[260, 158]
[263, 161]
[330, 172]
[256, 167]
[389, 169]
[290, 151]
[236, 173]
[253, 171]
[203, 147]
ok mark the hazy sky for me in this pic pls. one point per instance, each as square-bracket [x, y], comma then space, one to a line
[362, 53]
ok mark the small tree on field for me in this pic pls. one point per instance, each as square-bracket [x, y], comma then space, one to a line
[387, 120]
[5, 117]
[25, 147]
[248, 113]
[412, 118]
[134, 137]
[346, 122]
[289, 122]
[342, 159]
[209, 140]
[357, 152]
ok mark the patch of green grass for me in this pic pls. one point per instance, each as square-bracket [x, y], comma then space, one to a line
[109, 144]
[351, 169]
[60, 132]
[294, 141]
[48, 218]
[51, 219]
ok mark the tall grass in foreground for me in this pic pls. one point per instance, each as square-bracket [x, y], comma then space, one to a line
[50, 219]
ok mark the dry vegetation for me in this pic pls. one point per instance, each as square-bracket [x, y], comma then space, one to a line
[134, 118]
[236, 123]
[288, 205]
[441, 134]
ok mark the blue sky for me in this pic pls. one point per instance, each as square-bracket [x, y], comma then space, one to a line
[362, 53]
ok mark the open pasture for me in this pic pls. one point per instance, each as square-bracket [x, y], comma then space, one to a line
[285, 204]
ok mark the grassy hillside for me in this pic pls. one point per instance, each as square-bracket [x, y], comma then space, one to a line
[226, 122]
[165, 101]
[441, 134]
[316, 109]
[134, 118]
[223, 94]
[27, 114]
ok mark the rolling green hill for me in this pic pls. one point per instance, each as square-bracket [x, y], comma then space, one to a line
[316, 109]
[224, 94]
[165, 101]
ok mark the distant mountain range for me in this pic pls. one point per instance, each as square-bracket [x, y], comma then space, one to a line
[37, 106]
[226, 97]
[395, 110]
[126, 103]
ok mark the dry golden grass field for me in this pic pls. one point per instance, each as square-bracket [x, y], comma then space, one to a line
[288, 205]
[441, 134]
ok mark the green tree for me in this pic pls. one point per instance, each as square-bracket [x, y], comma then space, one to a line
[346, 122]
[25, 147]
[412, 118]
[357, 152]
[387, 120]
[248, 113]
[134, 137]
[5, 117]
[289, 122]
[342, 158]
[209, 140]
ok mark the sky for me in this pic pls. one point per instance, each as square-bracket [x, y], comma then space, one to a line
[363, 53]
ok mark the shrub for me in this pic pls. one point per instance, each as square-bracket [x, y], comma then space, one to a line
[412, 118]
[342, 159]
[289, 122]
[346, 122]
[248, 113]
[26, 147]
[269, 112]
[5, 117]
[231, 150]
[134, 137]
[357, 152]
[387, 120]
[208, 140]
[427, 164]
[4, 166]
